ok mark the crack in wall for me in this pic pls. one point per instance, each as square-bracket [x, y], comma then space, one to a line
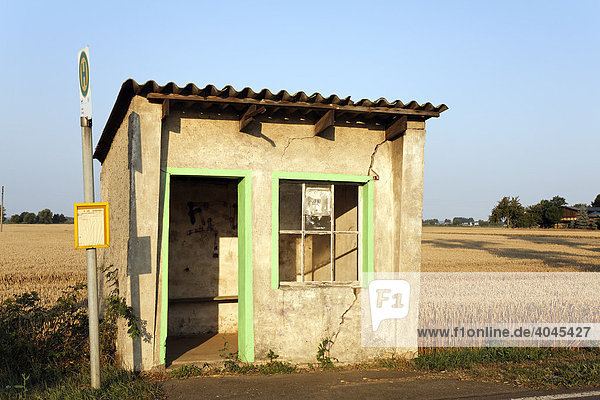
[375, 174]
[289, 142]
[342, 318]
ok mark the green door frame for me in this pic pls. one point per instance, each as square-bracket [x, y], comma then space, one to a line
[366, 219]
[245, 301]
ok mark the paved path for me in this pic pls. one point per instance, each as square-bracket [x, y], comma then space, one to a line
[371, 384]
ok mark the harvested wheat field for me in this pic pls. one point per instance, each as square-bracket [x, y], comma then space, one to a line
[464, 249]
[42, 258]
[39, 258]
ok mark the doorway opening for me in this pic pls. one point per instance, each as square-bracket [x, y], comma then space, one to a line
[202, 269]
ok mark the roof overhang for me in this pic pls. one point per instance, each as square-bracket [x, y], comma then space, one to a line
[248, 104]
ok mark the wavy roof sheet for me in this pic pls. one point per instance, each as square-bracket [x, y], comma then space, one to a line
[131, 88]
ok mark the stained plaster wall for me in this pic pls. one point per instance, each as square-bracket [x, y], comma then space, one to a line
[193, 139]
[130, 182]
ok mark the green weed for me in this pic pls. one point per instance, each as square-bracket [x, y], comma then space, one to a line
[323, 354]
[276, 367]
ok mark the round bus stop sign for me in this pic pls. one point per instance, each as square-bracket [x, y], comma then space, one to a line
[85, 100]
[84, 74]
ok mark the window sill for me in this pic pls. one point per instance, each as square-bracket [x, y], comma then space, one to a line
[315, 284]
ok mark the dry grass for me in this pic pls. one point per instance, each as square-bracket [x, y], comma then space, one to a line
[458, 249]
[39, 258]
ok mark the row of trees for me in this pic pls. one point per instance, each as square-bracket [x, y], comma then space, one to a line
[44, 216]
[457, 221]
[546, 214]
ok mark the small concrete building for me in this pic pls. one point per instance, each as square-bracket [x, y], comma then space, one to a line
[244, 221]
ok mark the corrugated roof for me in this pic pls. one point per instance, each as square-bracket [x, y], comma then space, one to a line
[264, 97]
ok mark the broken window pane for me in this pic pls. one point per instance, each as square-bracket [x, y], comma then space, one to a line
[346, 208]
[290, 257]
[290, 206]
[346, 257]
[317, 257]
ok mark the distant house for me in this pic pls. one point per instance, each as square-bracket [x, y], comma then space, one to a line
[570, 214]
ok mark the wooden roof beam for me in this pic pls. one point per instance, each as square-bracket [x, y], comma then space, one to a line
[249, 115]
[325, 122]
[166, 109]
[396, 128]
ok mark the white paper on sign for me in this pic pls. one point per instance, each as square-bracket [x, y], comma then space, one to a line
[318, 201]
[90, 227]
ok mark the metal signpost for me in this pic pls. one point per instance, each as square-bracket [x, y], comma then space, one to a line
[88, 196]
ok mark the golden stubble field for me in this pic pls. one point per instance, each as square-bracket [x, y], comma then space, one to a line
[39, 258]
[466, 249]
[42, 258]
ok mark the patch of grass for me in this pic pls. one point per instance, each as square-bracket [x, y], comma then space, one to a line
[443, 359]
[187, 371]
[393, 362]
[543, 368]
[275, 366]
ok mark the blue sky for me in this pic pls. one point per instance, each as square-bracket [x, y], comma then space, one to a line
[521, 80]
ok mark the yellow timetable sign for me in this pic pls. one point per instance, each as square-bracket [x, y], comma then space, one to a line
[91, 225]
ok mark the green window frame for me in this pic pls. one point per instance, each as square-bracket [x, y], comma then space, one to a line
[366, 218]
[245, 299]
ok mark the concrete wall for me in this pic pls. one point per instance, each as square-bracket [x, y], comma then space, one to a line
[295, 318]
[130, 182]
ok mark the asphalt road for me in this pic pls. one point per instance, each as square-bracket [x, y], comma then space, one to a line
[371, 384]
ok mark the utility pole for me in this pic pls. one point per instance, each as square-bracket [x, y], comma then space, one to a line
[88, 197]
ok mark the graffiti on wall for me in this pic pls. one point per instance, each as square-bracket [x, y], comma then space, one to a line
[202, 214]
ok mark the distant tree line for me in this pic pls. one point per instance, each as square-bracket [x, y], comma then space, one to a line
[44, 216]
[457, 221]
[546, 214]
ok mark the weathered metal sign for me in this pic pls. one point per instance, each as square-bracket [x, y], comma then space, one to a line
[91, 225]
